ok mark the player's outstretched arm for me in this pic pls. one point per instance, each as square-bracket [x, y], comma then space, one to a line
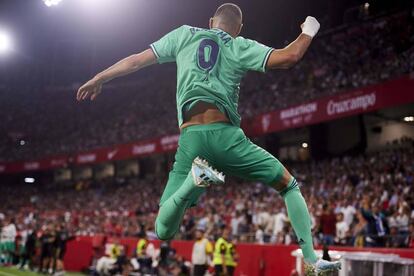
[133, 63]
[291, 54]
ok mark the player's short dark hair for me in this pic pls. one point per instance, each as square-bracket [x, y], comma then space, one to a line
[230, 14]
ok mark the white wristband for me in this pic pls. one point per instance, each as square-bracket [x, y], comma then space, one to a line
[310, 26]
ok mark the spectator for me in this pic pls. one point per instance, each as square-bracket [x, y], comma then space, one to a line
[47, 240]
[348, 212]
[145, 255]
[202, 253]
[29, 249]
[359, 231]
[342, 229]
[279, 222]
[328, 224]
[377, 226]
[9, 233]
[223, 260]
[395, 239]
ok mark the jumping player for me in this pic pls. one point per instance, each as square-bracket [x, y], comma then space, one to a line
[210, 65]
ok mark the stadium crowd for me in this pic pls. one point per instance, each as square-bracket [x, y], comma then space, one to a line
[364, 200]
[128, 110]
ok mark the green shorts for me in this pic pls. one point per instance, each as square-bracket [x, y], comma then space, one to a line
[8, 246]
[227, 149]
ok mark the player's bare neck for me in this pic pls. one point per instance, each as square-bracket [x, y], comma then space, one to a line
[224, 28]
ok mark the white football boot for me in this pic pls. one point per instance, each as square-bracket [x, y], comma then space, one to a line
[322, 266]
[204, 175]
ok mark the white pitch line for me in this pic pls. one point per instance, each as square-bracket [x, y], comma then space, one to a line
[7, 274]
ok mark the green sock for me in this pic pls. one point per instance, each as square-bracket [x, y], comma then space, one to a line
[172, 210]
[300, 219]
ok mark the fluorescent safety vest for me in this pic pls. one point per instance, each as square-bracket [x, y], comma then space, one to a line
[141, 247]
[229, 256]
[220, 248]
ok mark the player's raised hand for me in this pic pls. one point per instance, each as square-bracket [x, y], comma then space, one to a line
[310, 27]
[91, 90]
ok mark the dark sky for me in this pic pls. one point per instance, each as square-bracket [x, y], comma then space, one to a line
[78, 31]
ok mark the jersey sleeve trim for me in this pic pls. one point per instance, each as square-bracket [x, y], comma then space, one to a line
[155, 51]
[267, 56]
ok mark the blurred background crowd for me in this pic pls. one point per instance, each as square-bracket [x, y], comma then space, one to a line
[363, 201]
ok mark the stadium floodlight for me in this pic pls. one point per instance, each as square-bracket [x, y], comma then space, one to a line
[51, 3]
[409, 119]
[5, 42]
[304, 145]
[29, 180]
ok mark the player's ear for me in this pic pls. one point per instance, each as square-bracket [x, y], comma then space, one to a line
[240, 28]
[210, 24]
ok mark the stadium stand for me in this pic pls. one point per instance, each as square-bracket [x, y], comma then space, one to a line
[125, 112]
[364, 200]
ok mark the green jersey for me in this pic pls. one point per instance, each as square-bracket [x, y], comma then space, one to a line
[210, 66]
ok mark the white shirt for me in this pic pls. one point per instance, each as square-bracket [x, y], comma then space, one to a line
[392, 222]
[313, 221]
[349, 213]
[341, 229]
[203, 222]
[288, 239]
[259, 236]
[235, 221]
[3, 234]
[402, 222]
[199, 255]
[10, 232]
[151, 251]
[279, 223]
[263, 218]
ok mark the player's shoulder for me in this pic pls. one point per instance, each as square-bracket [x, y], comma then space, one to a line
[188, 28]
[185, 27]
[241, 38]
[187, 31]
[193, 29]
[245, 41]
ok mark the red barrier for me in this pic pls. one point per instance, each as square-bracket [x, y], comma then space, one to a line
[255, 260]
[367, 99]
[79, 254]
